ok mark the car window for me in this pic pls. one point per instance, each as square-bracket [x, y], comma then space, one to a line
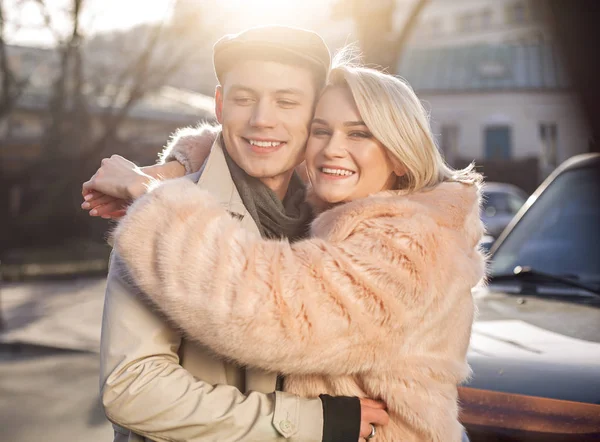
[560, 232]
[496, 203]
[515, 203]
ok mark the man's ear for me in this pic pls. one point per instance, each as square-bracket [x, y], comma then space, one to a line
[219, 103]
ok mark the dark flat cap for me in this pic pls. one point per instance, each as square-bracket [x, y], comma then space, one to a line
[301, 45]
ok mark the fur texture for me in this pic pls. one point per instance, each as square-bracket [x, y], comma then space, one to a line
[190, 146]
[377, 304]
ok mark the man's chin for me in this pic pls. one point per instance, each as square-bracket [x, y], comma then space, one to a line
[266, 174]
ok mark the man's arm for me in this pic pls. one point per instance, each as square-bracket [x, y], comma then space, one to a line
[144, 388]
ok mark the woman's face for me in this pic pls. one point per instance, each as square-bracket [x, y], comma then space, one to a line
[343, 159]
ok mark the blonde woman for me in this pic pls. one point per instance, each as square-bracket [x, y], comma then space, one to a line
[377, 303]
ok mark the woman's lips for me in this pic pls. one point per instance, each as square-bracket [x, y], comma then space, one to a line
[335, 173]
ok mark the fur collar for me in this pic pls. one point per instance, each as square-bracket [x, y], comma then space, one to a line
[451, 205]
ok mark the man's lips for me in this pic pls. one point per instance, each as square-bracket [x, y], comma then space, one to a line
[264, 145]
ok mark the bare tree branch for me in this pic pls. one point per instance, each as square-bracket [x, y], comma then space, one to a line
[382, 48]
[399, 44]
[48, 23]
[12, 86]
[68, 107]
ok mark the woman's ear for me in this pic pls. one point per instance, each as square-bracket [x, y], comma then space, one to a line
[399, 168]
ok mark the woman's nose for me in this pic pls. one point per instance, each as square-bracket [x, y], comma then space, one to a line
[335, 148]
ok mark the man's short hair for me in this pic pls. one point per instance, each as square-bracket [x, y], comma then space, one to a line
[288, 45]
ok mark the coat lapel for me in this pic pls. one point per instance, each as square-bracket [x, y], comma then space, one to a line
[216, 178]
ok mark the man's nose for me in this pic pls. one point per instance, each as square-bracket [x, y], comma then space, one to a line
[263, 114]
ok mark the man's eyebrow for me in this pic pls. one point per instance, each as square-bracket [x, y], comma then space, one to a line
[291, 91]
[320, 121]
[241, 87]
[288, 91]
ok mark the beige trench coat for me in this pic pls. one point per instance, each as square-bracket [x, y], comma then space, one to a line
[165, 388]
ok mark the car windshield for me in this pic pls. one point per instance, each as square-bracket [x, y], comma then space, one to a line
[560, 233]
[501, 203]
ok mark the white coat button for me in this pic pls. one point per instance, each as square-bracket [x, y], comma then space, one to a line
[286, 426]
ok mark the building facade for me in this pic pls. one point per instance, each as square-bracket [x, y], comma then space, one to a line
[495, 84]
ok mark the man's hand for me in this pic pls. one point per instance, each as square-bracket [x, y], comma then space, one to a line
[371, 412]
[105, 206]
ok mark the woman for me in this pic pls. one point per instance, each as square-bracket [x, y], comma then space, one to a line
[376, 304]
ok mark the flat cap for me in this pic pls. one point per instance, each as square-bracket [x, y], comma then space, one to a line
[301, 45]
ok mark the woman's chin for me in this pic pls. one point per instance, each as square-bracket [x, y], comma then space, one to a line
[331, 198]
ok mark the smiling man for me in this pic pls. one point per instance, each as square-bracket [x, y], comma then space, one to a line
[265, 126]
[156, 385]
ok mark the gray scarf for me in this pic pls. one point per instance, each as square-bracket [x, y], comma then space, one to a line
[275, 219]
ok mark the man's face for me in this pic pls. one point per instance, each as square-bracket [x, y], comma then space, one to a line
[265, 109]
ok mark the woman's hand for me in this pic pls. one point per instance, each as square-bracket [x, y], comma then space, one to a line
[372, 412]
[119, 178]
[118, 181]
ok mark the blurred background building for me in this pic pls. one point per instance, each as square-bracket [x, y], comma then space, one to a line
[488, 71]
[84, 79]
[497, 88]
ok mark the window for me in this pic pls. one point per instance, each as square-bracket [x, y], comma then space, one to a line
[436, 27]
[559, 233]
[517, 13]
[465, 23]
[449, 142]
[486, 19]
[501, 203]
[478, 20]
[498, 142]
[496, 203]
[549, 138]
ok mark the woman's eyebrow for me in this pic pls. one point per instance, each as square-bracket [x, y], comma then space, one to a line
[354, 123]
[346, 124]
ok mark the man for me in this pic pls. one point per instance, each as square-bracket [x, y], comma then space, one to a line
[164, 388]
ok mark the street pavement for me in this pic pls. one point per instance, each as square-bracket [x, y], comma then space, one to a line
[49, 362]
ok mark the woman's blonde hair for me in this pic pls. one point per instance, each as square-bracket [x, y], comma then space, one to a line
[393, 113]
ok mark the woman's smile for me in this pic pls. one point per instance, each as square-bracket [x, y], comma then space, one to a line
[344, 160]
[336, 173]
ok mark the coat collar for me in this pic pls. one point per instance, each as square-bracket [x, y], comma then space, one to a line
[450, 204]
[216, 178]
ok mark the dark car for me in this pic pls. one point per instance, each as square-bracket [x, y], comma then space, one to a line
[501, 202]
[535, 349]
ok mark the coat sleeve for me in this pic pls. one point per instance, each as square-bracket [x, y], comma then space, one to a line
[144, 388]
[300, 308]
[190, 146]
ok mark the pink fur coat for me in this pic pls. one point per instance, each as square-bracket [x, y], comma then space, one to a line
[376, 304]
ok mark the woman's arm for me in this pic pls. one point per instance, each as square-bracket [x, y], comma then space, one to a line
[190, 146]
[119, 181]
[302, 308]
